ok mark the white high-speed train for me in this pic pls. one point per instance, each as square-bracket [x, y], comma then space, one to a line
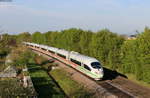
[85, 64]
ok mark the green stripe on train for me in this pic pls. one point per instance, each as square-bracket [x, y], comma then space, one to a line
[82, 69]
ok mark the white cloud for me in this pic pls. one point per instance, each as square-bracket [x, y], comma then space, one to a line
[6, 5]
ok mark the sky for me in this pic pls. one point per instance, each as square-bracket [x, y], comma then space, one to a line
[119, 16]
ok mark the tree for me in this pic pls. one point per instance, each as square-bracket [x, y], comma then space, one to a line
[23, 37]
[106, 45]
[39, 38]
[135, 56]
[71, 38]
[144, 54]
[85, 39]
[48, 37]
[5, 45]
[129, 57]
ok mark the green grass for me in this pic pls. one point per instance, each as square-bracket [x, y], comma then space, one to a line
[133, 78]
[70, 87]
[44, 85]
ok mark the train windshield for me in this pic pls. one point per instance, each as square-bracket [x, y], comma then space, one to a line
[96, 65]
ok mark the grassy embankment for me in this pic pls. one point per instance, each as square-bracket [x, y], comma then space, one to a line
[70, 87]
[44, 85]
[133, 78]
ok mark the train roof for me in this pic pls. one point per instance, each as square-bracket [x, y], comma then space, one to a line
[44, 46]
[74, 55]
[52, 49]
[82, 58]
[63, 52]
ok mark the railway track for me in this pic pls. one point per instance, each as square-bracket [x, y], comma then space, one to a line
[132, 88]
[119, 87]
[120, 93]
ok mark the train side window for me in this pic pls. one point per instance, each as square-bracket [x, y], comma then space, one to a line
[51, 51]
[43, 49]
[61, 55]
[86, 67]
[76, 62]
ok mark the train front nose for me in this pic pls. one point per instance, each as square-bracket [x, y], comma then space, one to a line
[100, 73]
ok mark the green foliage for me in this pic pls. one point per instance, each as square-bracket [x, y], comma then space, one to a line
[5, 44]
[135, 56]
[20, 57]
[23, 37]
[129, 56]
[105, 46]
[143, 42]
[24, 58]
[84, 44]
[37, 37]
[69, 39]
[11, 88]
